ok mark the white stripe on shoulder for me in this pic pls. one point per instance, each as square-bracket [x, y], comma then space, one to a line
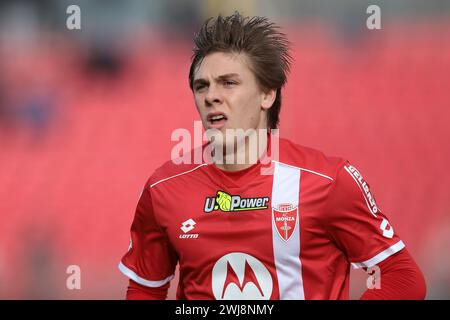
[320, 174]
[362, 191]
[133, 276]
[379, 257]
[177, 175]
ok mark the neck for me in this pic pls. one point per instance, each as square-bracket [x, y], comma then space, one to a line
[244, 154]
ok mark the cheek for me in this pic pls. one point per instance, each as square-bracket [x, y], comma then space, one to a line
[248, 103]
[249, 115]
[199, 105]
[252, 106]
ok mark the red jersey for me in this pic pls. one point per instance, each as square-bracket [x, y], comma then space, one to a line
[241, 234]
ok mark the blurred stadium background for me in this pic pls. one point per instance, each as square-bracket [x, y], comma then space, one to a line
[86, 116]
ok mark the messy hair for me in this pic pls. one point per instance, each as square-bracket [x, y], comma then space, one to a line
[260, 40]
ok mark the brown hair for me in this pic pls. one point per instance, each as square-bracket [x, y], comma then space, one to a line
[257, 37]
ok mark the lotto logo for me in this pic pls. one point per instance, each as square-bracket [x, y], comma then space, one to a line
[188, 225]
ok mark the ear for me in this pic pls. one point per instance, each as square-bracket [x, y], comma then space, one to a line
[268, 98]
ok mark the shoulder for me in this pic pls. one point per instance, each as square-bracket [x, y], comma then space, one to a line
[309, 160]
[175, 168]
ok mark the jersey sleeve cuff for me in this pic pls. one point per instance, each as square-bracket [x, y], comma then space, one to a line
[133, 276]
[379, 257]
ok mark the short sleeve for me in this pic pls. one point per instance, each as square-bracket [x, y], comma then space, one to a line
[356, 223]
[150, 260]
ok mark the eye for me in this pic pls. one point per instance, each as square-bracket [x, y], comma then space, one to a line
[199, 87]
[229, 83]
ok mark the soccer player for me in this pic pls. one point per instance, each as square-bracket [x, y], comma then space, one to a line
[239, 231]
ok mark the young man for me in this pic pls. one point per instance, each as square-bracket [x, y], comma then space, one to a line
[239, 232]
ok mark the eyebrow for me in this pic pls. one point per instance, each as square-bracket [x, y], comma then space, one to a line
[221, 77]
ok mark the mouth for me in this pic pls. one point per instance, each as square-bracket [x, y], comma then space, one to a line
[216, 120]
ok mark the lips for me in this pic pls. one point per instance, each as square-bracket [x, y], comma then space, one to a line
[216, 119]
[216, 116]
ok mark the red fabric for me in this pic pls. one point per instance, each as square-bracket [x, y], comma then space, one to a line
[401, 279]
[139, 292]
[178, 221]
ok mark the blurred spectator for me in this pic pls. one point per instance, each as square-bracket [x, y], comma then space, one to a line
[382, 95]
[39, 259]
[103, 63]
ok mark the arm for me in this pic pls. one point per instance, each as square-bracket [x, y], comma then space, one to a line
[401, 279]
[362, 231]
[150, 261]
[139, 292]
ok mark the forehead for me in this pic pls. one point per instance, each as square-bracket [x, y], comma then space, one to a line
[220, 63]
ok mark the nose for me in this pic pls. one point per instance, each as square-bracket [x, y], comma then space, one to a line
[212, 96]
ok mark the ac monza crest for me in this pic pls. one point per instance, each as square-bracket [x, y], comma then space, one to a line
[285, 217]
